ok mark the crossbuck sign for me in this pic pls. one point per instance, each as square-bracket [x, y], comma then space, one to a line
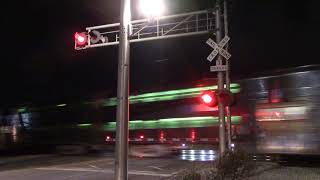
[218, 48]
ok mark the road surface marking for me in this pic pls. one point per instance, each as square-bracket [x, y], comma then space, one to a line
[155, 167]
[93, 166]
[145, 173]
[107, 160]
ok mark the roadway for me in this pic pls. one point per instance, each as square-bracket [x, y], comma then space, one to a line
[93, 167]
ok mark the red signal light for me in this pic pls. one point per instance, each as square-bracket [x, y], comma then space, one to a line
[209, 98]
[81, 39]
[206, 98]
[141, 137]
[193, 134]
[161, 135]
[278, 114]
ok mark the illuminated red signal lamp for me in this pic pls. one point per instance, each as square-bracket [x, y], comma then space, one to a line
[81, 39]
[161, 135]
[209, 98]
[193, 134]
[108, 138]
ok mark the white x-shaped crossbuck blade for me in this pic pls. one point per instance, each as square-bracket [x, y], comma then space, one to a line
[218, 48]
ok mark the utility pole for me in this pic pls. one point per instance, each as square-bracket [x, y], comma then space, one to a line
[219, 62]
[228, 109]
[121, 161]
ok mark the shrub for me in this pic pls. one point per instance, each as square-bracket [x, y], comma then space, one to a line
[192, 176]
[235, 165]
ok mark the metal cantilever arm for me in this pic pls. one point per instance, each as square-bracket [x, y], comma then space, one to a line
[172, 26]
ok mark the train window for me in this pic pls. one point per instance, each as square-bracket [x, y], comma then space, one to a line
[279, 113]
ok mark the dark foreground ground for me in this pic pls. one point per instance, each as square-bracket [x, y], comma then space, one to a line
[95, 167]
[101, 167]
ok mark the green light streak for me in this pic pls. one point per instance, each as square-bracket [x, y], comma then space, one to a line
[169, 95]
[187, 122]
[84, 125]
[61, 105]
[187, 119]
[22, 109]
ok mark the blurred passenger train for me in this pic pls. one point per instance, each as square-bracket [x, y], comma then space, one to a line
[171, 118]
[285, 110]
[277, 113]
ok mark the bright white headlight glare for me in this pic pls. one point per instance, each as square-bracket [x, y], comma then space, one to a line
[152, 8]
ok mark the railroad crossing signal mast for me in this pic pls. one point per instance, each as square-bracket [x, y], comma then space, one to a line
[152, 28]
[221, 68]
[228, 109]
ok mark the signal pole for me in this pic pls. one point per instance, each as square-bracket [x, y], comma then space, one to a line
[228, 110]
[219, 62]
[121, 161]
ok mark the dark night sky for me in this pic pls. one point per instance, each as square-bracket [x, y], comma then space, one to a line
[39, 64]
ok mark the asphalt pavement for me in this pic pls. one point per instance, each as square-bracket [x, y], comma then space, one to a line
[91, 167]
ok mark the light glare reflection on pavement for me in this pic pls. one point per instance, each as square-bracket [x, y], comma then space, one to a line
[198, 155]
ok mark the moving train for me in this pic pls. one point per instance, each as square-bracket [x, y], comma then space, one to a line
[285, 109]
[274, 113]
